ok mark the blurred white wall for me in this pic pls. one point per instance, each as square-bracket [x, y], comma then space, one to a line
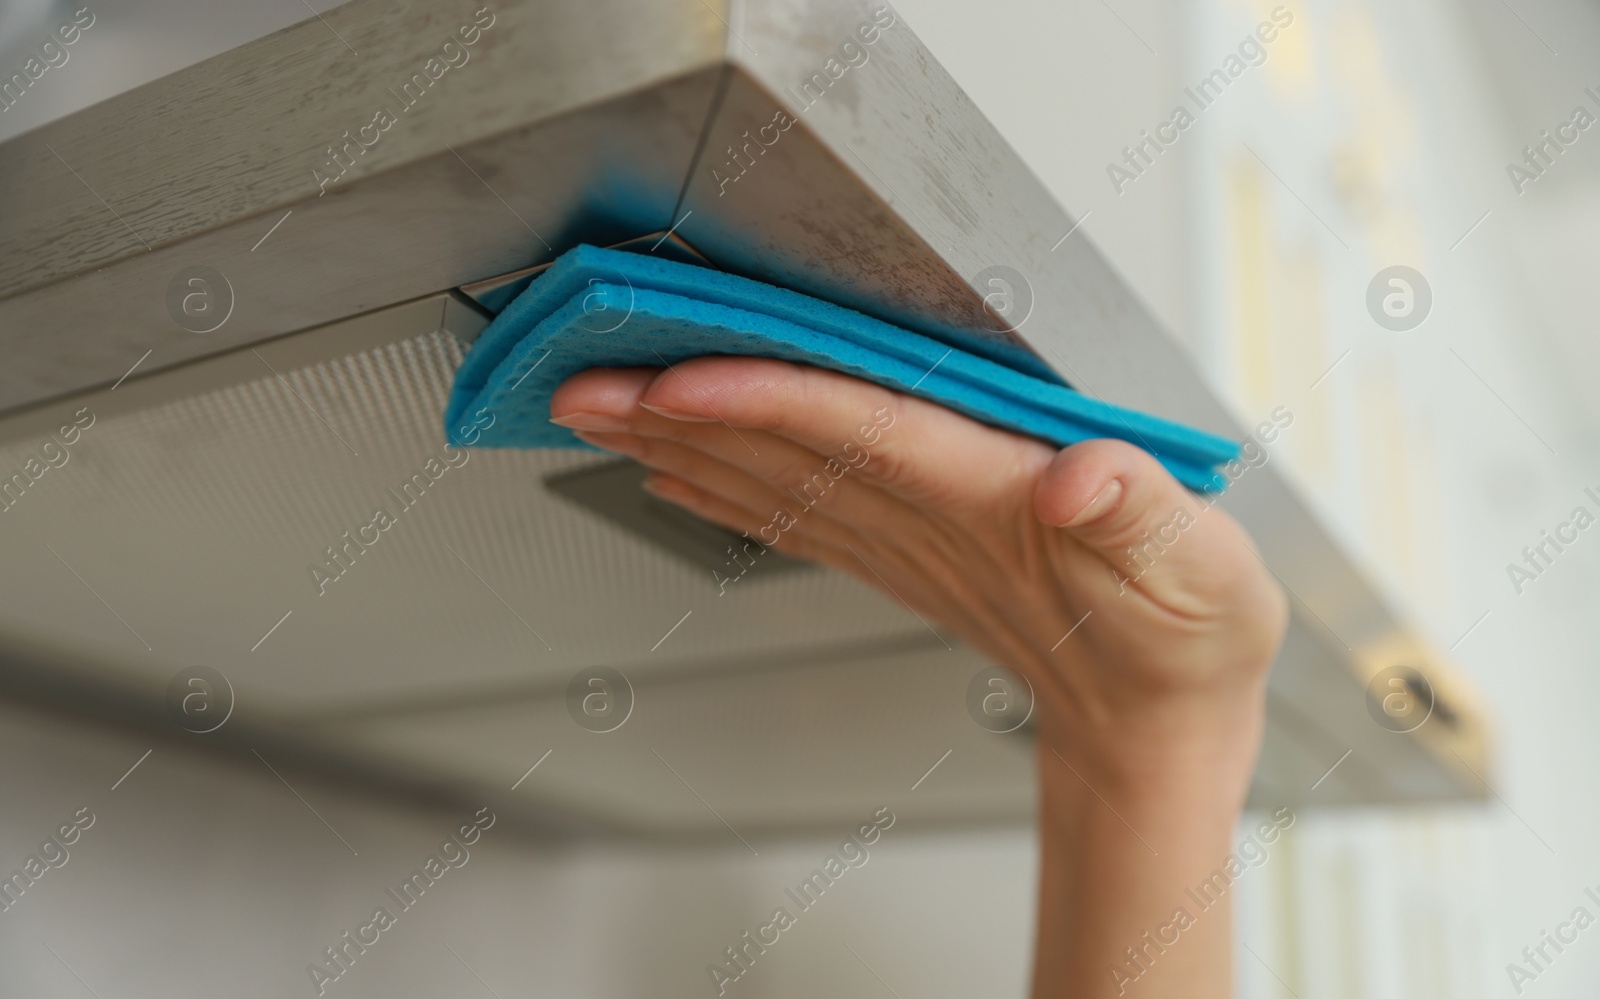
[1375, 134]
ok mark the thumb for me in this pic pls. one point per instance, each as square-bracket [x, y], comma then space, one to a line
[1175, 547]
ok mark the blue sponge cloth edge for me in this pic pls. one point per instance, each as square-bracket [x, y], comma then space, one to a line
[607, 308]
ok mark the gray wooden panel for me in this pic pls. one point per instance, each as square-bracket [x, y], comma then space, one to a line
[242, 133]
[563, 118]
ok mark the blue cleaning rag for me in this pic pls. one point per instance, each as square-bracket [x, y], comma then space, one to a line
[608, 308]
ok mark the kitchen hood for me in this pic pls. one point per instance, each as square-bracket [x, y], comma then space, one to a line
[246, 287]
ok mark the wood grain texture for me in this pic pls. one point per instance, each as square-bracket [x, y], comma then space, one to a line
[566, 118]
[240, 134]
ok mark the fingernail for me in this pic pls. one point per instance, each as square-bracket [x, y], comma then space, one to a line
[1101, 504]
[674, 414]
[620, 443]
[589, 421]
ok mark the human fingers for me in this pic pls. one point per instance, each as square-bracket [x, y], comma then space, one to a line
[1166, 542]
[765, 513]
[919, 451]
[608, 401]
[896, 573]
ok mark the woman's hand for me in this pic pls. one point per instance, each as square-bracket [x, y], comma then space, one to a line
[1140, 615]
[1001, 539]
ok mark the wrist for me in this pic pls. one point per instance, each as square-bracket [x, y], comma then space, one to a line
[1194, 755]
[1124, 839]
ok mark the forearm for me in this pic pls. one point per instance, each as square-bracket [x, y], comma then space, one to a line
[1150, 688]
[1126, 902]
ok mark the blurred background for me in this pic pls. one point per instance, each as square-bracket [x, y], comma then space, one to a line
[1372, 135]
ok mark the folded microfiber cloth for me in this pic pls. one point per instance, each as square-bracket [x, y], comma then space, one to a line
[608, 308]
